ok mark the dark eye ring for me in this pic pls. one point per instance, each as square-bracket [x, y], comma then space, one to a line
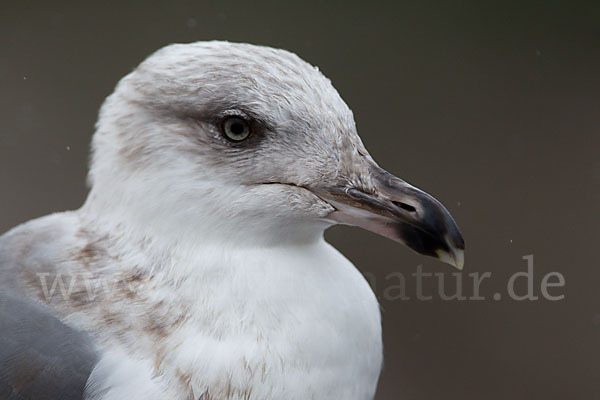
[235, 129]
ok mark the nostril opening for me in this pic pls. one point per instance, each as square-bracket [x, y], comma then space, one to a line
[405, 206]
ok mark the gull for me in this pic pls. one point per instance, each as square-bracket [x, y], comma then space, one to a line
[197, 267]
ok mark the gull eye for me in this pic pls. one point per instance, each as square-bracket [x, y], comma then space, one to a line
[235, 129]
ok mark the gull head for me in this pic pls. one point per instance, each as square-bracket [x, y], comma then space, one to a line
[244, 143]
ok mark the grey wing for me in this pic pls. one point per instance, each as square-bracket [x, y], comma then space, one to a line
[41, 358]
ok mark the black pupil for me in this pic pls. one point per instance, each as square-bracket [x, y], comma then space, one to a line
[237, 128]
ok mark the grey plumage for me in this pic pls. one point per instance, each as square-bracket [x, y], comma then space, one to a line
[41, 358]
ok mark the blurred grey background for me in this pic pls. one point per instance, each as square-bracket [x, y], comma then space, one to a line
[493, 107]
